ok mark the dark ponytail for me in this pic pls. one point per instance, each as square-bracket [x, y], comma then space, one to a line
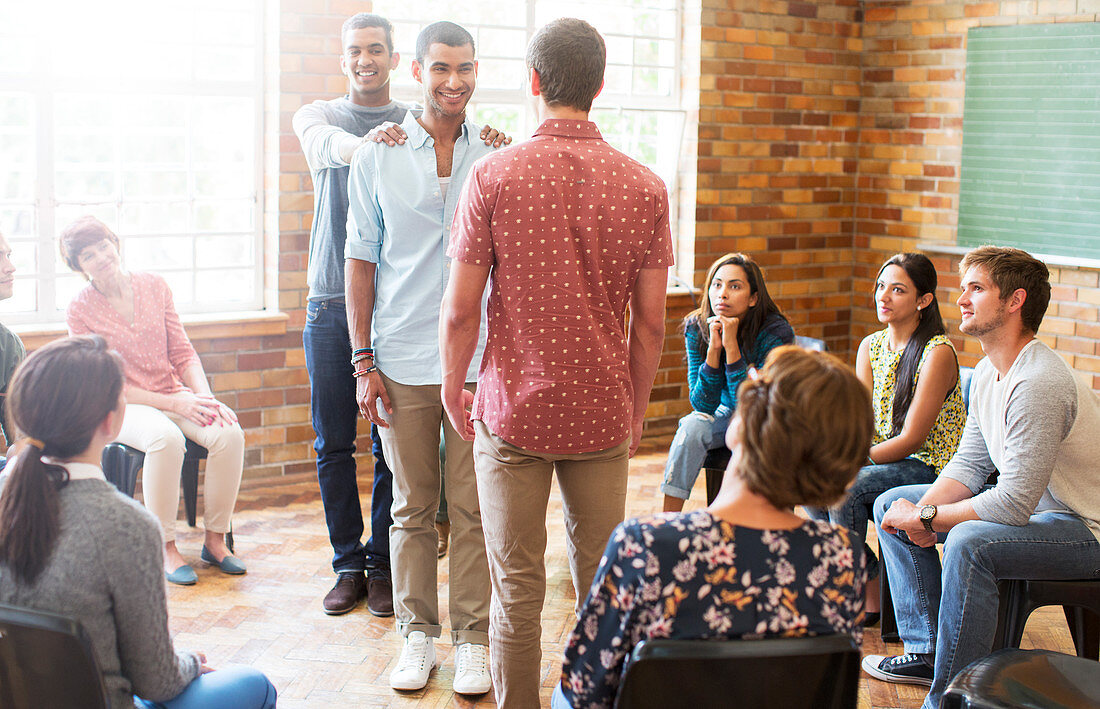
[57, 399]
[923, 274]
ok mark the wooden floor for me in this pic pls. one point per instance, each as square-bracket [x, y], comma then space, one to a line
[272, 619]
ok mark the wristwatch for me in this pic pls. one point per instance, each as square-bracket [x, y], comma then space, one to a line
[927, 514]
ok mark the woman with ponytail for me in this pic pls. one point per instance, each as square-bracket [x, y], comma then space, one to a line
[913, 374]
[70, 543]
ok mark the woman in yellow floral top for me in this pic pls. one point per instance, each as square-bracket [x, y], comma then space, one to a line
[913, 374]
[747, 566]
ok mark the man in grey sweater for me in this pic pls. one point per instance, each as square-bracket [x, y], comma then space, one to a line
[1036, 424]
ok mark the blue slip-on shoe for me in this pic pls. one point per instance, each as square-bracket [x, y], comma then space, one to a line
[229, 565]
[183, 576]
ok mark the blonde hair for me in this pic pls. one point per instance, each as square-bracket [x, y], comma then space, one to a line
[804, 427]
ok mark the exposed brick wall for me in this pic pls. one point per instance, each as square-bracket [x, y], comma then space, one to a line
[778, 125]
[914, 62]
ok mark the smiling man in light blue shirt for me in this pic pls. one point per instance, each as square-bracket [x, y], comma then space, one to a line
[402, 202]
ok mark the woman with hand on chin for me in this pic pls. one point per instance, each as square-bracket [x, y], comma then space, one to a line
[169, 399]
[912, 373]
[735, 328]
[70, 543]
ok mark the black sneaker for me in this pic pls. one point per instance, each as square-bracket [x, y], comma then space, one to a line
[900, 669]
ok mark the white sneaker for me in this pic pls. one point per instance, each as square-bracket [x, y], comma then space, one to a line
[472, 669]
[415, 664]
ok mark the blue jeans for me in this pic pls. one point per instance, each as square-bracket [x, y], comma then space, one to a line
[335, 414]
[696, 434]
[231, 688]
[558, 700]
[951, 609]
[854, 512]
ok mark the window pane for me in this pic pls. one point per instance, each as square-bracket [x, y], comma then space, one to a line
[76, 149]
[229, 64]
[502, 117]
[223, 250]
[159, 253]
[84, 185]
[17, 221]
[223, 216]
[235, 286]
[68, 213]
[143, 184]
[24, 255]
[182, 287]
[24, 298]
[157, 217]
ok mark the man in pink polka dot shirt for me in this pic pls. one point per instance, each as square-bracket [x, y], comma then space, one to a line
[568, 232]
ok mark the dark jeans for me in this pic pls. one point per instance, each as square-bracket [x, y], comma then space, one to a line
[335, 414]
[854, 511]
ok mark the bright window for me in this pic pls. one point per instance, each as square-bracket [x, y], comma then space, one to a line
[639, 110]
[148, 119]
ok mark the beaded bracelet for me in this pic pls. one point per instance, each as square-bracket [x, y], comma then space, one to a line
[361, 372]
[360, 357]
[363, 350]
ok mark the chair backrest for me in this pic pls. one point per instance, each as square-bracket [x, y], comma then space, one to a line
[815, 673]
[966, 378]
[810, 343]
[46, 660]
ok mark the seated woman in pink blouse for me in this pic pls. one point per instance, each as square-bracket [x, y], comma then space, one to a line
[168, 397]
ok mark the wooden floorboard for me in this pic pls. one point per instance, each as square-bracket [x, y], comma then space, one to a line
[271, 618]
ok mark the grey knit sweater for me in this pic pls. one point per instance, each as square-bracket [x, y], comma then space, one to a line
[106, 571]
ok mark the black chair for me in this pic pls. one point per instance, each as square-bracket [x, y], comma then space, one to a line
[1014, 679]
[46, 660]
[122, 465]
[1080, 601]
[816, 672]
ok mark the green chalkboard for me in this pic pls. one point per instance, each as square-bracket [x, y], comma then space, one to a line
[1031, 139]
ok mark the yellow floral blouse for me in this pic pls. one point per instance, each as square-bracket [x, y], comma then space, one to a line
[943, 439]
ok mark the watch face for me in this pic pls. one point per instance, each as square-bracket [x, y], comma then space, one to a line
[927, 512]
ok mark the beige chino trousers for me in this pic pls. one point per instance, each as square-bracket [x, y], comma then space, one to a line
[161, 435]
[514, 487]
[411, 447]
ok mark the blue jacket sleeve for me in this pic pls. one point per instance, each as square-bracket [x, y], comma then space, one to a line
[705, 384]
[776, 333]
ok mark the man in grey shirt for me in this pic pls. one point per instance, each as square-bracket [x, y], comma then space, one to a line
[1038, 426]
[330, 131]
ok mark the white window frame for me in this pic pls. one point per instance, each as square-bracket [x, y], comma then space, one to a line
[42, 85]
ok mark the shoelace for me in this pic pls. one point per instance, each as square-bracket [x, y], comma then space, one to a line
[470, 655]
[414, 656]
[906, 658]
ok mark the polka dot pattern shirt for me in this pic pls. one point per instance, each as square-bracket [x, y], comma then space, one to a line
[566, 223]
[154, 348]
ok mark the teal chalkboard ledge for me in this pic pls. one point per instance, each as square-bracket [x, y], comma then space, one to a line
[932, 247]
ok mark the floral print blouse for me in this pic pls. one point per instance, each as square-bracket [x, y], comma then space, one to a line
[693, 576]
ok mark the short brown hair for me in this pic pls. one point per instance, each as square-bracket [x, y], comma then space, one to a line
[804, 427]
[81, 234]
[1011, 269]
[570, 57]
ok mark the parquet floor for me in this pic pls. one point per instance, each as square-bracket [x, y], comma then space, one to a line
[272, 619]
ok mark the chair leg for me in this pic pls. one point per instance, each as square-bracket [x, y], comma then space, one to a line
[1084, 628]
[714, 483]
[889, 621]
[189, 477]
[1008, 592]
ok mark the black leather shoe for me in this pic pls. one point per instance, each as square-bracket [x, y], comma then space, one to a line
[380, 596]
[350, 588]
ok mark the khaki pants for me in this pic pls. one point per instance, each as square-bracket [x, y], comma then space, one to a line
[411, 447]
[161, 436]
[514, 487]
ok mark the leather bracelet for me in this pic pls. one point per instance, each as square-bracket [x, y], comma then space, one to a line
[362, 372]
[360, 357]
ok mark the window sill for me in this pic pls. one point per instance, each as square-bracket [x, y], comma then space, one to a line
[199, 326]
[1049, 260]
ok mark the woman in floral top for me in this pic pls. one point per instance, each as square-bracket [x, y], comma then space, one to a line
[747, 566]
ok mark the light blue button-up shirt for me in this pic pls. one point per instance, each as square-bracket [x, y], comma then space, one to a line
[398, 219]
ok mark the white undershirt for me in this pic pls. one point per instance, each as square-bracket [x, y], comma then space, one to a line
[444, 185]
